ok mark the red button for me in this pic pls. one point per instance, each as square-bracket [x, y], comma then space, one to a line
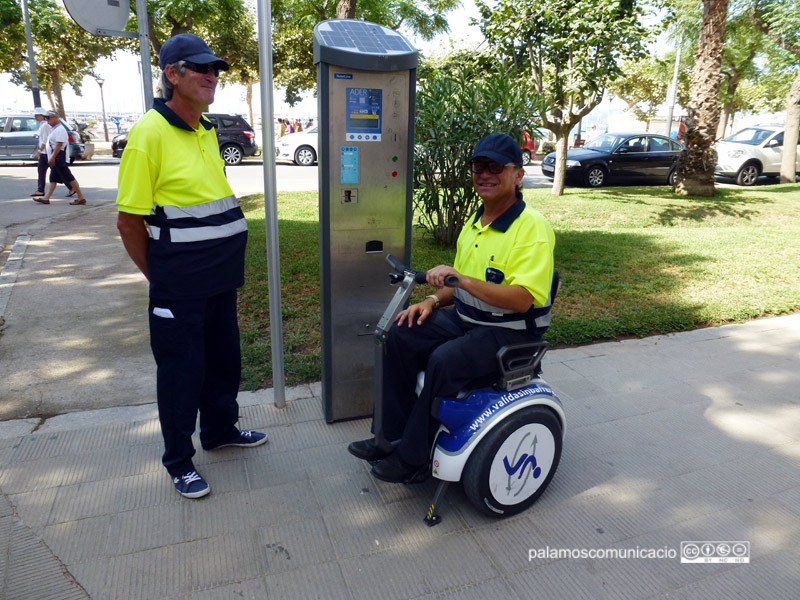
[394, 173]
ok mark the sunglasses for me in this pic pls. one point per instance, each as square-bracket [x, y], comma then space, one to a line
[493, 167]
[201, 68]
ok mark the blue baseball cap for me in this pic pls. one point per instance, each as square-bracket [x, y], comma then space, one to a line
[500, 148]
[187, 46]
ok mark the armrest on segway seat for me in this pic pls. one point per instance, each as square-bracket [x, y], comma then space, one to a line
[520, 364]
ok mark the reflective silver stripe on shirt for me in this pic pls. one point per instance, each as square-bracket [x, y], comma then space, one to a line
[474, 302]
[155, 232]
[199, 234]
[519, 325]
[199, 211]
[543, 321]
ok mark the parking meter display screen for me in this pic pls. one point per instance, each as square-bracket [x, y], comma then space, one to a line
[364, 106]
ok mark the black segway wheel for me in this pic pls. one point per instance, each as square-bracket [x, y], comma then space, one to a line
[514, 463]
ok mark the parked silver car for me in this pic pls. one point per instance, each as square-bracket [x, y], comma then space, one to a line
[19, 137]
[752, 152]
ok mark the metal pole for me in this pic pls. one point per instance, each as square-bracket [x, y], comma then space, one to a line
[144, 50]
[673, 92]
[271, 200]
[37, 100]
[144, 102]
[100, 82]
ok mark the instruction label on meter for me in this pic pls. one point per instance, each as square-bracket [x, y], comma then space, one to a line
[364, 107]
[349, 162]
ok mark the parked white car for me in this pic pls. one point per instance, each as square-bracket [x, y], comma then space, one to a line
[752, 152]
[300, 147]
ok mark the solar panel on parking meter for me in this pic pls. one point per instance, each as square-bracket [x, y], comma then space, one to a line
[366, 78]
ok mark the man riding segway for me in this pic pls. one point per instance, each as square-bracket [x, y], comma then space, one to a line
[504, 266]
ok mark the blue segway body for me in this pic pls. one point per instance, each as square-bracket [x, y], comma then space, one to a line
[465, 422]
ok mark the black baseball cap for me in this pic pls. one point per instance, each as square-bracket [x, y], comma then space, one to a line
[500, 148]
[187, 46]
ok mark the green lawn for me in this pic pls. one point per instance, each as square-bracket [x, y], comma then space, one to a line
[634, 261]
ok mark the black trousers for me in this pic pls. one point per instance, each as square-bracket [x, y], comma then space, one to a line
[453, 354]
[196, 347]
[42, 167]
[59, 172]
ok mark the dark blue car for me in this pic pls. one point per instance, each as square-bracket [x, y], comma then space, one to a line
[620, 157]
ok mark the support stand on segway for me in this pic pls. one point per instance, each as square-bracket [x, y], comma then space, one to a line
[432, 517]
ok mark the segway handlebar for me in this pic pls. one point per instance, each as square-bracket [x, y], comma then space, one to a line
[419, 276]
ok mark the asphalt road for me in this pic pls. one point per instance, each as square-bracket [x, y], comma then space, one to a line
[98, 179]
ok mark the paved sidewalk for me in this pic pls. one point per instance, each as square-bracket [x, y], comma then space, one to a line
[693, 436]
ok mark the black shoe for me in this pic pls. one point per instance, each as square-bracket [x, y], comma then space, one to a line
[395, 470]
[367, 450]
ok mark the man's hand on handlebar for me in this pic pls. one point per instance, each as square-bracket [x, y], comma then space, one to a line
[436, 275]
[417, 313]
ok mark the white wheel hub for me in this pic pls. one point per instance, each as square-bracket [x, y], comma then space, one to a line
[521, 464]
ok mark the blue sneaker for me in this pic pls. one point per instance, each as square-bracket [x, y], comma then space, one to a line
[244, 439]
[191, 485]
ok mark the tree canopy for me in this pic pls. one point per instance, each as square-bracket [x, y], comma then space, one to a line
[293, 60]
[566, 52]
[64, 52]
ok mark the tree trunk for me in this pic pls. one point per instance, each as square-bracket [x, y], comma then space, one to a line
[562, 143]
[55, 76]
[249, 98]
[346, 9]
[791, 132]
[49, 92]
[695, 175]
[727, 108]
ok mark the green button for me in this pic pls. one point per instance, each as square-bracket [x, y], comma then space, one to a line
[394, 159]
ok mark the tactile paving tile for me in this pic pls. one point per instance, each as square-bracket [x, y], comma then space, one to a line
[24, 555]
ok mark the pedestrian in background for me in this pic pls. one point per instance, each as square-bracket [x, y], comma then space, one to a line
[57, 145]
[184, 229]
[41, 150]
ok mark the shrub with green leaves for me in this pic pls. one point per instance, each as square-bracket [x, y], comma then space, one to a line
[458, 103]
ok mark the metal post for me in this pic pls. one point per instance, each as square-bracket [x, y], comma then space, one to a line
[271, 200]
[144, 50]
[100, 82]
[144, 102]
[674, 92]
[37, 100]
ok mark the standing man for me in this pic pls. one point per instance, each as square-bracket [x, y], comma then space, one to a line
[504, 265]
[184, 229]
[57, 146]
[41, 150]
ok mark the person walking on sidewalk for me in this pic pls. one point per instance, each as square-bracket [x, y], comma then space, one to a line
[41, 150]
[183, 227]
[57, 144]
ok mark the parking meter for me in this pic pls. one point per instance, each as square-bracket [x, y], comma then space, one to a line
[366, 82]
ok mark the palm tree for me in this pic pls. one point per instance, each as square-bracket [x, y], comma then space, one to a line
[695, 176]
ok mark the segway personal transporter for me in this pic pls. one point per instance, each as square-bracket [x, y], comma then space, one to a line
[503, 441]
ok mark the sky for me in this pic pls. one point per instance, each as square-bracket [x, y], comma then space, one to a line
[122, 90]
